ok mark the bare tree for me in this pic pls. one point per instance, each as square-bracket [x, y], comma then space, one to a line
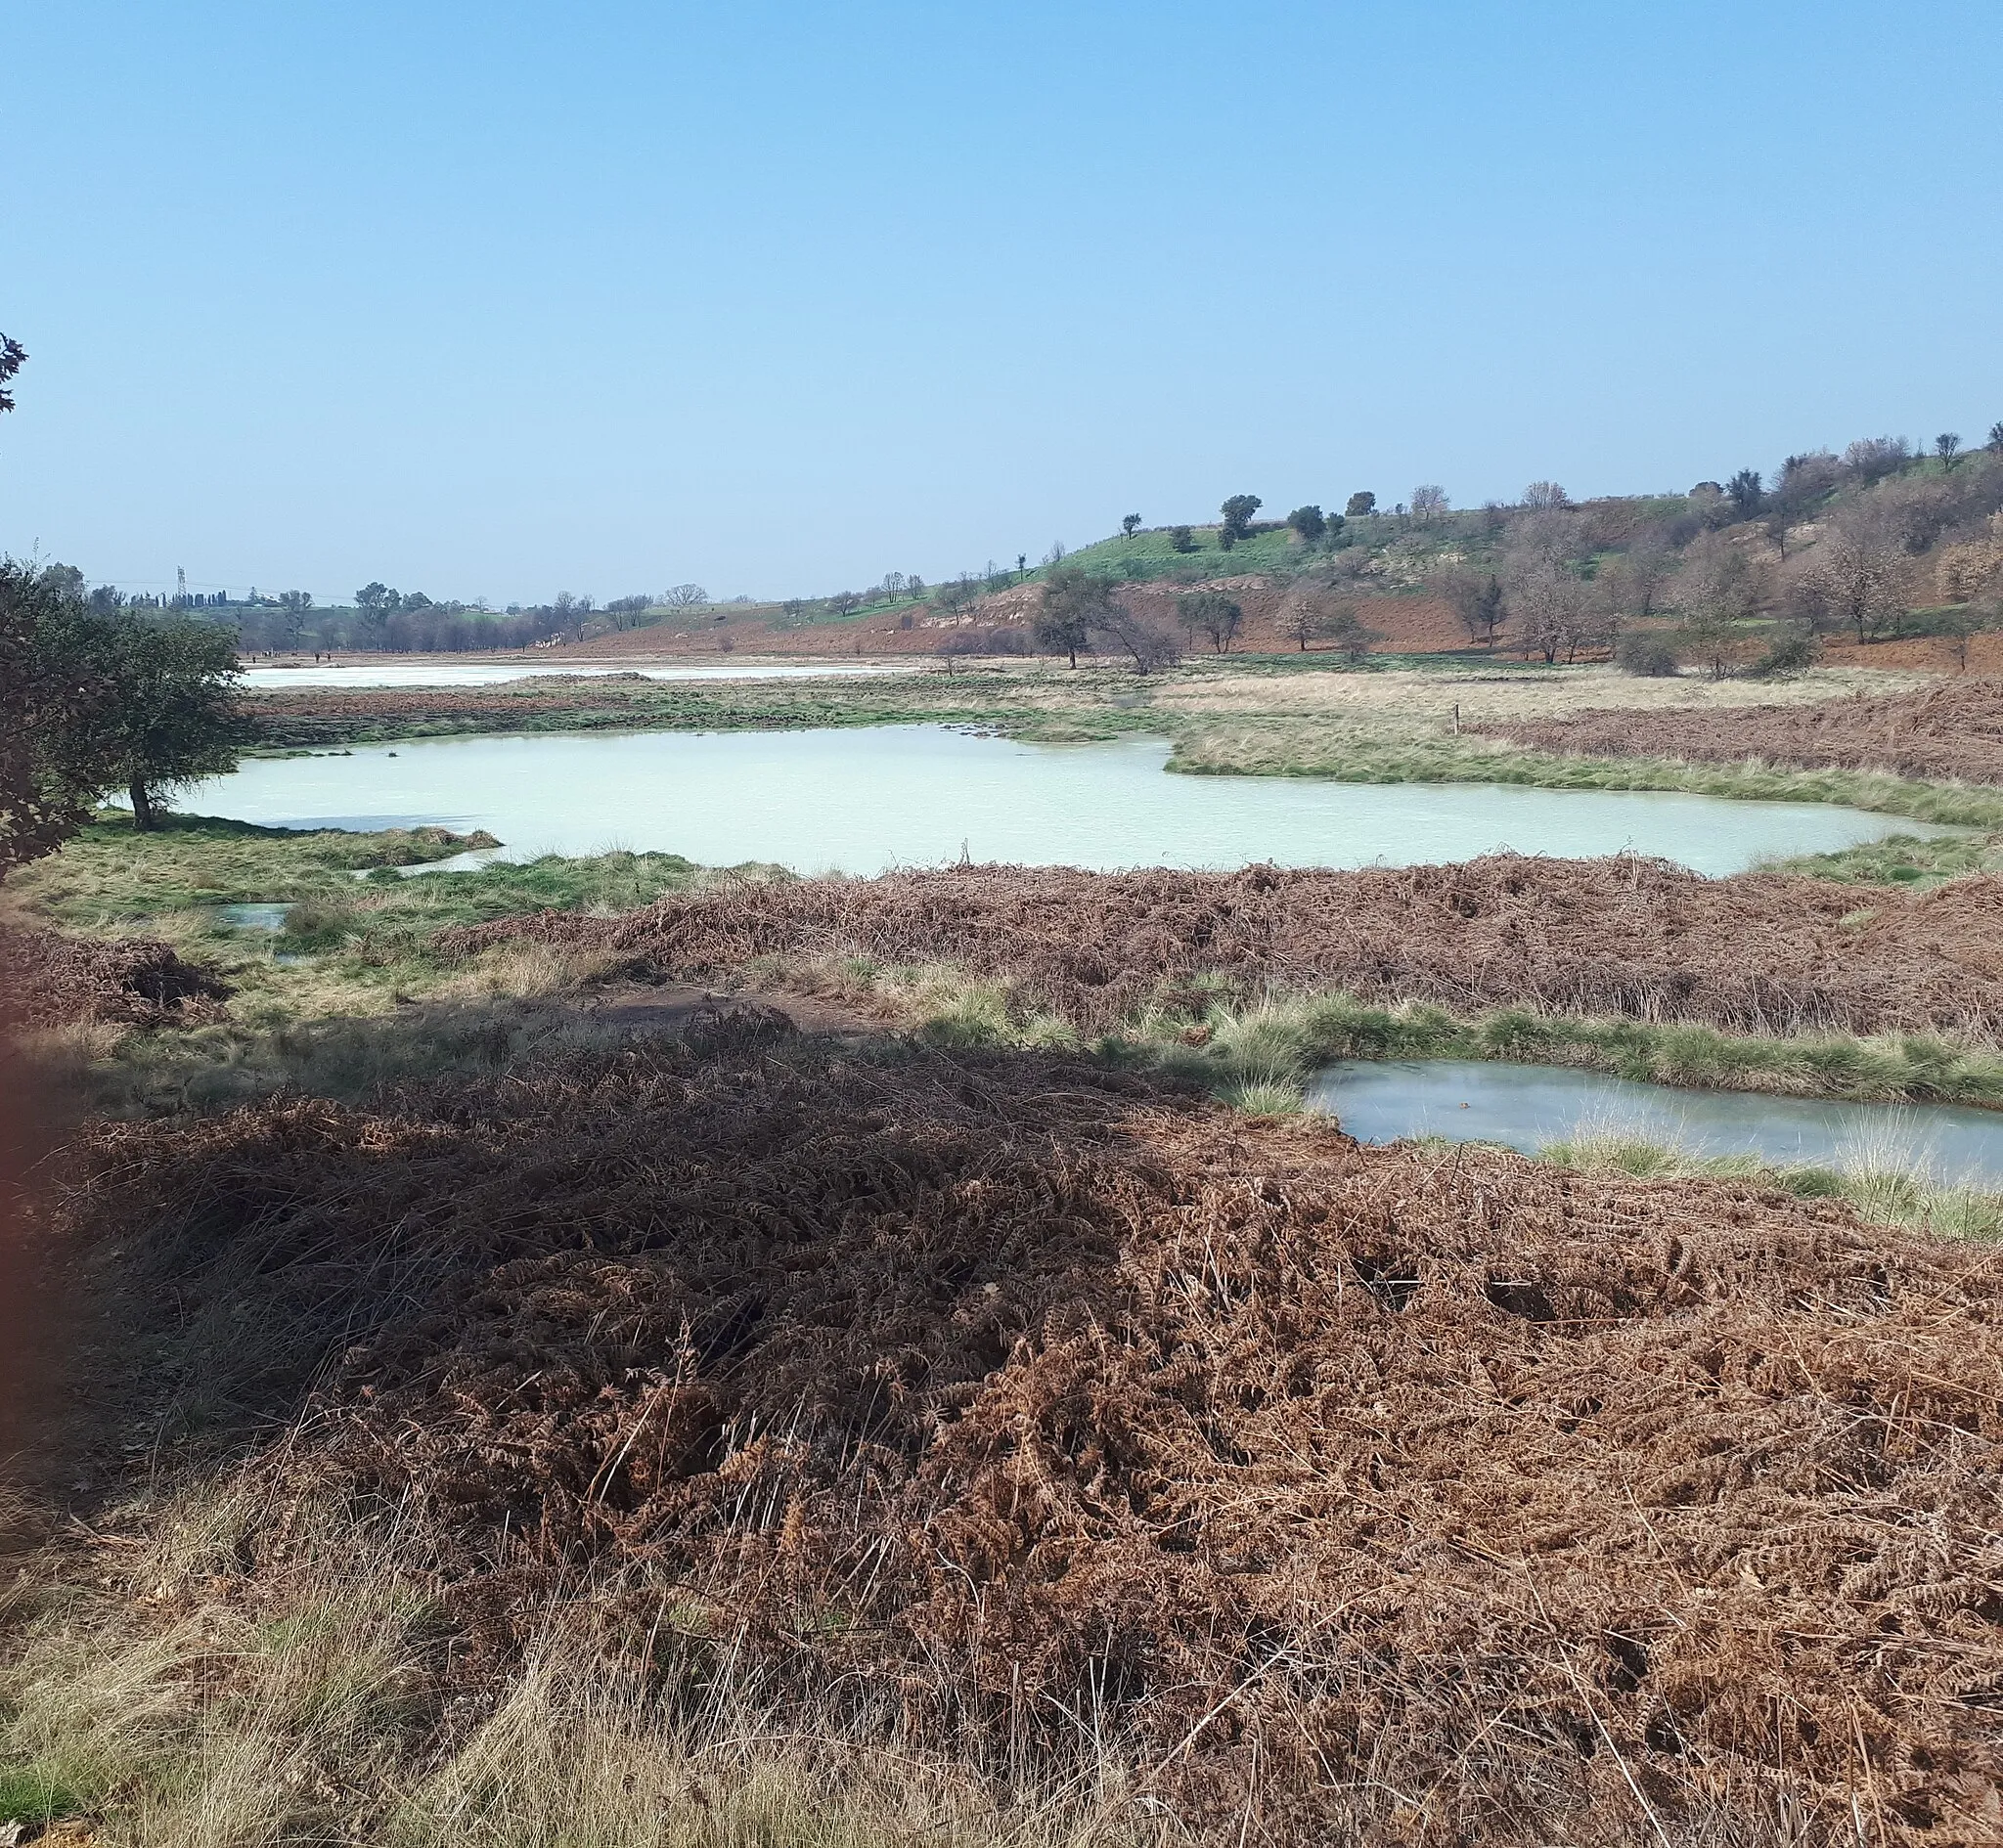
[1873, 457]
[1631, 579]
[1862, 568]
[1551, 608]
[1545, 493]
[1211, 614]
[1428, 503]
[1958, 628]
[295, 604]
[686, 597]
[1947, 445]
[1475, 598]
[1312, 612]
[1147, 645]
[843, 601]
[1347, 632]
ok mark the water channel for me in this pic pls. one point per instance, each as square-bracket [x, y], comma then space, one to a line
[861, 801]
[1529, 1107]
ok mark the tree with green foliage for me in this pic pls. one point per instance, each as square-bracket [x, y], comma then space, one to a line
[96, 700]
[1237, 524]
[1747, 494]
[1360, 506]
[1182, 539]
[1309, 523]
[48, 779]
[170, 713]
[1073, 605]
[13, 357]
[1130, 524]
[1211, 614]
[1997, 437]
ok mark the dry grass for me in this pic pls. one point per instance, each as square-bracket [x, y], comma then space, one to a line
[1623, 938]
[51, 978]
[1485, 692]
[1031, 1420]
[179, 1708]
[1945, 732]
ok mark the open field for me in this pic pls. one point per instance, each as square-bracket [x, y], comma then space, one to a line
[1047, 1423]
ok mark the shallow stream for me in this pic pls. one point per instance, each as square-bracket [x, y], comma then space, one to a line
[865, 800]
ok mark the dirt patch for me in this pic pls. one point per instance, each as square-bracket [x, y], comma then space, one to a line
[1951, 730]
[1639, 938]
[1927, 654]
[1446, 1496]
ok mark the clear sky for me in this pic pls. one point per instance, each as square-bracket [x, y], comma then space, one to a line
[500, 300]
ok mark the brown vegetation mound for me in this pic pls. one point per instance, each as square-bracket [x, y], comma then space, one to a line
[1445, 1494]
[1640, 938]
[49, 979]
[1951, 730]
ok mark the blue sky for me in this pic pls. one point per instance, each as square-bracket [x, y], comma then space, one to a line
[502, 299]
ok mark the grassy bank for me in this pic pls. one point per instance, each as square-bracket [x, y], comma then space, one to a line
[1261, 1058]
[309, 998]
[1902, 860]
[1877, 1193]
[1364, 754]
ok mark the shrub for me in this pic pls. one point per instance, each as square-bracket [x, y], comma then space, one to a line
[1646, 654]
[1793, 653]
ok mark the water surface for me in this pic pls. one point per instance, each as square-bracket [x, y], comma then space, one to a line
[863, 800]
[1529, 1107]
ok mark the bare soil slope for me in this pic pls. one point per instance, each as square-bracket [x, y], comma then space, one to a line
[1445, 1495]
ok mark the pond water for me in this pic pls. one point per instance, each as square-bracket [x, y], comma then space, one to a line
[449, 673]
[1529, 1107]
[270, 919]
[861, 801]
